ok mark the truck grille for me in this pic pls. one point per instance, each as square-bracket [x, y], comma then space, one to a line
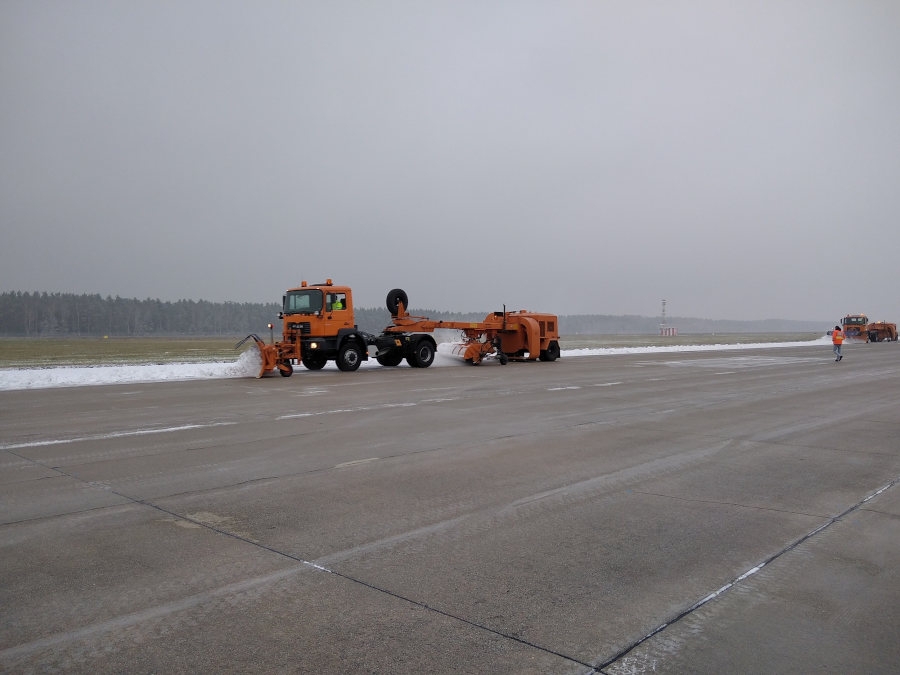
[302, 326]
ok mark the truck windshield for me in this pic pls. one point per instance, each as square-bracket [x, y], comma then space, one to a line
[855, 321]
[303, 302]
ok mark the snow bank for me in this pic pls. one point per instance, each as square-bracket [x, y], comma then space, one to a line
[248, 363]
[608, 351]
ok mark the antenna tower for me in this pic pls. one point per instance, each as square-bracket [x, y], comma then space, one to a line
[664, 330]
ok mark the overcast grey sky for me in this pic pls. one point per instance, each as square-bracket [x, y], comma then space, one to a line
[740, 159]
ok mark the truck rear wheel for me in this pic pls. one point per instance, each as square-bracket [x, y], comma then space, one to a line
[349, 357]
[422, 353]
[551, 353]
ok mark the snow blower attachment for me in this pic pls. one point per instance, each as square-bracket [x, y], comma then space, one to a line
[319, 326]
[509, 336]
[268, 353]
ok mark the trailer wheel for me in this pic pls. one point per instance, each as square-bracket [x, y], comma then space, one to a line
[391, 358]
[313, 360]
[551, 353]
[394, 298]
[286, 369]
[502, 358]
[349, 356]
[422, 354]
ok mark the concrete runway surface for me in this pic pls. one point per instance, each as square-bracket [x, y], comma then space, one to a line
[707, 513]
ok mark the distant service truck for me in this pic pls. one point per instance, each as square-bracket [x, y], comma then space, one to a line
[857, 327]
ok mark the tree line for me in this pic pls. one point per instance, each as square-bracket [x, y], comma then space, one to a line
[25, 314]
[67, 314]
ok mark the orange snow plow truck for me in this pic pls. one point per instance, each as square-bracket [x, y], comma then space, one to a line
[318, 326]
[857, 327]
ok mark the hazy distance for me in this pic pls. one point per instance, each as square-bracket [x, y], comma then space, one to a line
[737, 159]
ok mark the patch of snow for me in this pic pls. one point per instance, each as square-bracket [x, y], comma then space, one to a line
[247, 365]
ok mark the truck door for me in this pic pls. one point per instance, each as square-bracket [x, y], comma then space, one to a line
[337, 314]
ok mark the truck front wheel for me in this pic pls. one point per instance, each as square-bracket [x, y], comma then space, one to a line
[349, 357]
[313, 361]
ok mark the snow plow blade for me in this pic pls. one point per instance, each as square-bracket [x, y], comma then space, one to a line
[268, 354]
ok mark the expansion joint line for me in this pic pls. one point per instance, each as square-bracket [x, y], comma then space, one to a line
[749, 573]
[365, 584]
[313, 565]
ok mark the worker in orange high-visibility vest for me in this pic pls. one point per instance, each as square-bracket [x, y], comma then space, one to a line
[837, 339]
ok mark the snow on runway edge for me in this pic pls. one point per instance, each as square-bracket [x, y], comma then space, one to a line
[247, 366]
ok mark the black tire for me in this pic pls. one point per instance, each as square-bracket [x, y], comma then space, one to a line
[313, 360]
[551, 353]
[394, 298]
[422, 353]
[502, 358]
[349, 356]
[286, 369]
[391, 358]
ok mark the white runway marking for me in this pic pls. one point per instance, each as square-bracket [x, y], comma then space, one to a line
[114, 434]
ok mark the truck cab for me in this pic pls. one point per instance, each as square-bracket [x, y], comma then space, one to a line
[854, 326]
[318, 326]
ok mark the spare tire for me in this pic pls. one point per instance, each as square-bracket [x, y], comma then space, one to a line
[394, 298]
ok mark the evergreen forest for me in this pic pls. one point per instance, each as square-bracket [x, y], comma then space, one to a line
[24, 314]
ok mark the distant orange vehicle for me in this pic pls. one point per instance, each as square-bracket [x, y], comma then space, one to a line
[318, 325]
[858, 328]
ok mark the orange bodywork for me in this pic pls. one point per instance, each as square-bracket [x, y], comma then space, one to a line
[318, 325]
[857, 327]
[520, 335]
[854, 327]
[882, 331]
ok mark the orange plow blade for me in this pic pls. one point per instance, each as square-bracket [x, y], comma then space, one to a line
[268, 354]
